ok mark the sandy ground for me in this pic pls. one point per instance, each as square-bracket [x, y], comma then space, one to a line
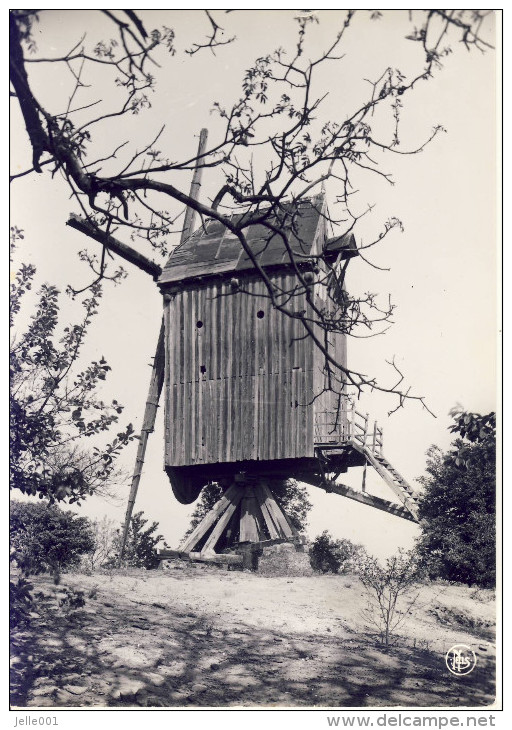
[199, 636]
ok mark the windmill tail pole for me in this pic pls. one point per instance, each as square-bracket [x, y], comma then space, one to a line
[157, 375]
[155, 388]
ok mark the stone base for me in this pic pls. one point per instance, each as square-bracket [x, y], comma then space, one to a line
[191, 566]
[172, 565]
[285, 560]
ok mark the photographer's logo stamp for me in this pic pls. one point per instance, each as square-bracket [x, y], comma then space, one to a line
[460, 660]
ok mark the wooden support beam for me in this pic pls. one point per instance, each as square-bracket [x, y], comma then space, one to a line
[288, 521]
[265, 511]
[369, 499]
[297, 540]
[215, 558]
[223, 522]
[278, 517]
[205, 524]
[250, 520]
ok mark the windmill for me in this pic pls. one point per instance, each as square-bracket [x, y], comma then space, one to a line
[246, 400]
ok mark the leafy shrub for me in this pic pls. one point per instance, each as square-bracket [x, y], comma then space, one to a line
[72, 598]
[483, 595]
[20, 601]
[328, 555]
[55, 407]
[391, 591]
[458, 506]
[141, 544]
[45, 538]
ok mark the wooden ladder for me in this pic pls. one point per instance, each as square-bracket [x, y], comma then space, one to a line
[394, 480]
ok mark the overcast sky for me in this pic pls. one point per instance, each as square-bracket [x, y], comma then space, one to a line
[442, 269]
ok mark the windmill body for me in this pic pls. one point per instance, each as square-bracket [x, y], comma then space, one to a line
[246, 395]
[241, 377]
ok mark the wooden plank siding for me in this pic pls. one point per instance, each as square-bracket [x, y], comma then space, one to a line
[330, 419]
[239, 387]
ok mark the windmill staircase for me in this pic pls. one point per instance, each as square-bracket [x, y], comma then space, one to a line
[394, 480]
[349, 432]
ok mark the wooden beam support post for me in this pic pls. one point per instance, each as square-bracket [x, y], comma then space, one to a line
[222, 559]
[250, 527]
[223, 522]
[216, 511]
[267, 515]
[278, 517]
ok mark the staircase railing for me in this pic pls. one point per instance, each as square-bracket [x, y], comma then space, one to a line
[378, 439]
[348, 424]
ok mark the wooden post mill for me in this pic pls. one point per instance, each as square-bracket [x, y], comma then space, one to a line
[245, 397]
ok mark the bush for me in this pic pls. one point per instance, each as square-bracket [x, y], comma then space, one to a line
[44, 538]
[72, 599]
[328, 555]
[140, 548]
[106, 537]
[390, 591]
[458, 506]
[20, 602]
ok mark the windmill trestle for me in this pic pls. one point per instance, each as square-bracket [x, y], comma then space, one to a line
[247, 518]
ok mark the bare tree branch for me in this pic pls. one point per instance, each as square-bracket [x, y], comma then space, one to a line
[277, 114]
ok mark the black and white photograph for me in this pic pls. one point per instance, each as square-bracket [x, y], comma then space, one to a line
[255, 362]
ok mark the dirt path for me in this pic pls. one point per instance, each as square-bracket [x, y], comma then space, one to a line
[200, 637]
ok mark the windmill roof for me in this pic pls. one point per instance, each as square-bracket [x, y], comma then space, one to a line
[214, 250]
